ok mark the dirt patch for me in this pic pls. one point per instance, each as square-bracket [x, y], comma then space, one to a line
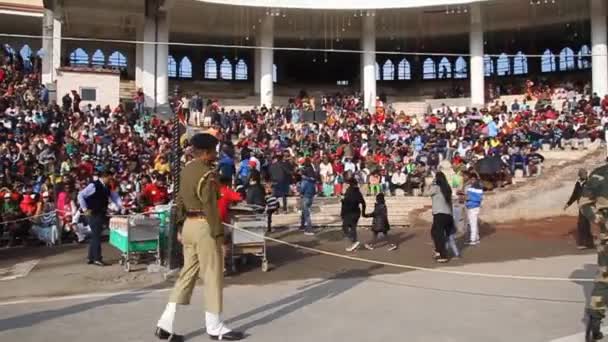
[561, 227]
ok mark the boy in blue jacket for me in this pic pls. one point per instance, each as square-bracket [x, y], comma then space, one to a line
[473, 199]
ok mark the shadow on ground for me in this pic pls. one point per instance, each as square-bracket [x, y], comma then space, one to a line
[505, 242]
[31, 319]
[309, 294]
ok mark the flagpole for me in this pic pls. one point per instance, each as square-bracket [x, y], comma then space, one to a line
[174, 252]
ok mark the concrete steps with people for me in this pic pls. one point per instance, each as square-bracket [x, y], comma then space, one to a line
[127, 89]
[543, 196]
[410, 108]
[326, 211]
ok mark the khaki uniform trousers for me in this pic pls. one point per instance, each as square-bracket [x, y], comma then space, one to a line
[202, 257]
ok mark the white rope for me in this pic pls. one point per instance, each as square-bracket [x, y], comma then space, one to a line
[57, 211]
[353, 258]
[411, 267]
[273, 48]
[29, 218]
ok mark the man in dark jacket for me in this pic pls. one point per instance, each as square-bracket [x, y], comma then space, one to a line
[94, 201]
[584, 239]
[280, 177]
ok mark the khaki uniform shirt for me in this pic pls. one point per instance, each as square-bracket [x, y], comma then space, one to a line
[199, 191]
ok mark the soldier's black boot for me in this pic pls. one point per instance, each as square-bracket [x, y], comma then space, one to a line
[593, 332]
[162, 334]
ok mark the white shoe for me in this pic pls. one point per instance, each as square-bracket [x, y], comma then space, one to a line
[353, 247]
[215, 325]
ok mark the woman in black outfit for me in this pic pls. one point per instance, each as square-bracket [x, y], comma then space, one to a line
[443, 222]
[256, 194]
[353, 204]
[380, 224]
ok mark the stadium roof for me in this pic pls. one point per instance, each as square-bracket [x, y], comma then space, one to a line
[343, 4]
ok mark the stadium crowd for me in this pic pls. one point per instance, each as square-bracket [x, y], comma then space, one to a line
[386, 151]
[49, 151]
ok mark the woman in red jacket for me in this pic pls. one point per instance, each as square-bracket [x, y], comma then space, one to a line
[227, 198]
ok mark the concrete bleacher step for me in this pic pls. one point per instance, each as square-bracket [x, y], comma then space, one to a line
[326, 211]
[127, 89]
[410, 108]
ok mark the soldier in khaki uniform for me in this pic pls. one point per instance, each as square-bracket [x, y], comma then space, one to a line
[202, 239]
[594, 206]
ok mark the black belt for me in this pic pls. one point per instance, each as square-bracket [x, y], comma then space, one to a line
[194, 213]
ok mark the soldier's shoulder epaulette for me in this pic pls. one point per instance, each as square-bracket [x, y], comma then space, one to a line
[209, 174]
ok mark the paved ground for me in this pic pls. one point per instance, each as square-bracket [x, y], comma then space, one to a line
[310, 297]
[351, 304]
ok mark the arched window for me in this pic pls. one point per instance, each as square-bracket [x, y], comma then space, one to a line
[388, 71]
[117, 60]
[520, 64]
[185, 68]
[404, 72]
[377, 72]
[566, 59]
[79, 57]
[274, 73]
[488, 65]
[26, 52]
[429, 72]
[503, 65]
[460, 68]
[547, 62]
[584, 58]
[226, 69]
[98, 58]
[240, 71]
[210, 69]
[172, 67]
[445, 68]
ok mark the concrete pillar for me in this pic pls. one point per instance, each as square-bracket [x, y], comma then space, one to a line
[257, 71]
[162, 74]
[154, 74]
[476, 51]
[599, 51]
[51, 44]
[368, 62]
[266, 61]
[139, 59]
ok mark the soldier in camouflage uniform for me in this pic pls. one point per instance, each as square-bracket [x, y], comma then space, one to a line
[202, 238]
[594, 205]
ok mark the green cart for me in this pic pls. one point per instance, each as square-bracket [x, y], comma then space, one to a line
[136, 237]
